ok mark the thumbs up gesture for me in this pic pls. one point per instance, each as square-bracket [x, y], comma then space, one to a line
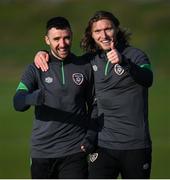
[113, 55]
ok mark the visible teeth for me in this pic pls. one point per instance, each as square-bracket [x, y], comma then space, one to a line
[62, 50]
[106, 41]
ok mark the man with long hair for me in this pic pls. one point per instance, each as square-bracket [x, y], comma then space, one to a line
[122, 78]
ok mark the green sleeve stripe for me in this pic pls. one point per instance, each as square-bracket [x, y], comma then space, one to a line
[22, 86]
[147, 66]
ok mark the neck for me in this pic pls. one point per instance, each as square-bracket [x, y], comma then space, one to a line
[56, 56]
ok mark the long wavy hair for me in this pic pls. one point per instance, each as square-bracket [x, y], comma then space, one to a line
[88, 44]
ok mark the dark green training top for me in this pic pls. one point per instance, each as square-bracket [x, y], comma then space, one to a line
[122, 96]
[64, 106]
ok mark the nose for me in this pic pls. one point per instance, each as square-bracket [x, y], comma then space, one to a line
[62, 43]
[103, 34]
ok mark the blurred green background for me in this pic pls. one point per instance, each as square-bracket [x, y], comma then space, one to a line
[22, 25]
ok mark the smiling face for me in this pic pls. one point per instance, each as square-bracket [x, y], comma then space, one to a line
[104, 33]
[59, 41]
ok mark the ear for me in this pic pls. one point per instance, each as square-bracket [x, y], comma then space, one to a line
[47, 40]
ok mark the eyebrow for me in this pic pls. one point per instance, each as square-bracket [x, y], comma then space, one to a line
[98, 30]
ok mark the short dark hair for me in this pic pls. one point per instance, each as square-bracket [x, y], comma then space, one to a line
[57, 22]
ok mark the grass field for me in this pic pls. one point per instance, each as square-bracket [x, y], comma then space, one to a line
[22, 30]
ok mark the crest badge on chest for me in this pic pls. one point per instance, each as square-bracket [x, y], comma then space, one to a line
[118, 69]
[78, 78]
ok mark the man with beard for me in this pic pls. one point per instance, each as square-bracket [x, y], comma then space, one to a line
[122, 78]
[63, 97]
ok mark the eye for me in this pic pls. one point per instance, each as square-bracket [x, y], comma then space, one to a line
[67, 38]
[97, 31]
[109, 30]
[56, 38]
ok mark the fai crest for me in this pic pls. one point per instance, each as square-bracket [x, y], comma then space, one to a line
[93, 157]
[78, 78]
[118, 69]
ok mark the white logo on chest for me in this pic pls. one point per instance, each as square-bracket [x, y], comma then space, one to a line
[118, 69]
[78, 78]
[48, 80]
[95, 68]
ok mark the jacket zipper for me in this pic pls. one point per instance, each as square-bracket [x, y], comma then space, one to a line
[62, 73]
[106, 68]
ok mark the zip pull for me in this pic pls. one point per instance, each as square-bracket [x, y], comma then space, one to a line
[62, 73]
[106, 68]
[107, 64]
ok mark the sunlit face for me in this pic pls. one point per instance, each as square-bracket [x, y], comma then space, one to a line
[103, 33]
[59, 41]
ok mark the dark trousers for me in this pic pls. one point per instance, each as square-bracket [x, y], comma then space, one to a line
[130, 164]
[68, 167]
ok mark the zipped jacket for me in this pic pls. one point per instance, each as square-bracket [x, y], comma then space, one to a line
[64, 106]
[122, 99]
